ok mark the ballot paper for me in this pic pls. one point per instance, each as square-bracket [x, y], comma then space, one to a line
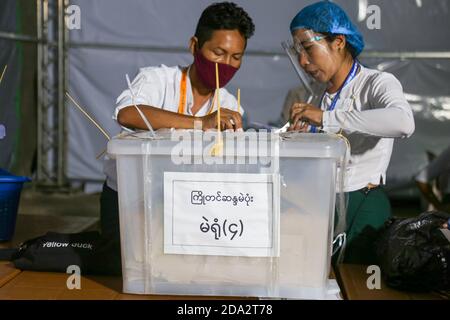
[283, 128]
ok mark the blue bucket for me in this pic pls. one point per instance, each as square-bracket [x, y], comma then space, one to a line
[10, 188]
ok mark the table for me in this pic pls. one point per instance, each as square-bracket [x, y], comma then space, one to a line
[16, 284]
[30, 285]
[352, 279]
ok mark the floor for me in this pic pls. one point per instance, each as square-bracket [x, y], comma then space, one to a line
[41, 212]
[406, 207]
[70, 204]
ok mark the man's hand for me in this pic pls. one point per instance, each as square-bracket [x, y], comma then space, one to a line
[228, 120]
[302, 114]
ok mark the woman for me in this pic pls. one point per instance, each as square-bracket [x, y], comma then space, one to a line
[367, 106]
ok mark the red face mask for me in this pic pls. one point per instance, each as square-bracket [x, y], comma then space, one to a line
[206, 71]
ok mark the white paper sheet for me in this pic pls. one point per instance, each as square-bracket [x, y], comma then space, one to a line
[221, 214]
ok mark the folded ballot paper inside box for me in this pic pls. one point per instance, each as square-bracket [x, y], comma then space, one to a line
[257, 220]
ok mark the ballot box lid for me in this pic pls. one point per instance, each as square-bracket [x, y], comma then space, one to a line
[163, 142]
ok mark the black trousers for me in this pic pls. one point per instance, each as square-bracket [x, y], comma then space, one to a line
[109, 222]
[109, 214]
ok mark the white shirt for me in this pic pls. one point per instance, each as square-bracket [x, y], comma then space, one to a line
[159, 87]
[371, 110]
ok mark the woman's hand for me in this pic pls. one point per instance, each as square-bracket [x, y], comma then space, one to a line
[228, 120]
[302, 115]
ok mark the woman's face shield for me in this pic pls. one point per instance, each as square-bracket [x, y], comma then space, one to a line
[305, 51]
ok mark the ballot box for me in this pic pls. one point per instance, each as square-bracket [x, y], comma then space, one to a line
[255, 219]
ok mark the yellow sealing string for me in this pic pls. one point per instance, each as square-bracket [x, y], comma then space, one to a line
[340, 135]
[3, 73]
[88, 116]
[239, 100]
[340, 229]
[100, 154]
[218, 100]
[217, 148]
[349, 147]
[120, 135]
[92, 120]
[342, 221]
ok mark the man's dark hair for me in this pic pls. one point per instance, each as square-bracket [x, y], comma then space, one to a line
[223, 16]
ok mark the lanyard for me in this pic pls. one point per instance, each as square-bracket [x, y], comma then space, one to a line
[351, 75]
[183, 97]
[182, 102]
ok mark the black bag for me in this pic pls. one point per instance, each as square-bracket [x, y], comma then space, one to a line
[55, 252]
[414, 254]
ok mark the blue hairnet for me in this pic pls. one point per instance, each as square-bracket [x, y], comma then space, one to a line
[328, 17]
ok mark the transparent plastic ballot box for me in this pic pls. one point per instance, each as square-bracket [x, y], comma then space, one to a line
[255, 219]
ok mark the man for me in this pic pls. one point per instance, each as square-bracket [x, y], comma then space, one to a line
[176, 97]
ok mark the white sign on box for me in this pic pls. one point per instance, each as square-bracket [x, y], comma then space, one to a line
[225, 214]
